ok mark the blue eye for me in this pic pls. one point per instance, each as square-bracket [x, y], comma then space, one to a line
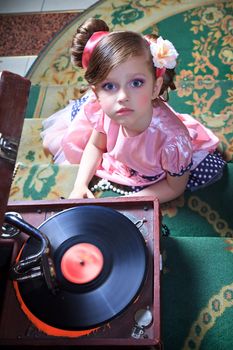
[108, 86]
[137, 83]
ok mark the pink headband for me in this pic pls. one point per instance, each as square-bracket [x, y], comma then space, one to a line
[90, 45]
[163, 52]
[160, 72]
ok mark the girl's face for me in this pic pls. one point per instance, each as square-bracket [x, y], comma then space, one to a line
[126, 94]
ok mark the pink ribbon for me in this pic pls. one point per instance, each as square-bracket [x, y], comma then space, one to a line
[160, 72]
[93, 41]
[90, 45]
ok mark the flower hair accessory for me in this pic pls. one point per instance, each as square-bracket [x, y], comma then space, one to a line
[90, 46]
[163, 54]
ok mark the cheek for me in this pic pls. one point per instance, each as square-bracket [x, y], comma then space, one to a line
[105, 103]
[102, 99]
[143, 99]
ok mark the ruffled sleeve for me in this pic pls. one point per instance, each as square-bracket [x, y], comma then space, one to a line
[202, 137]
[176, 156]
[94, 114]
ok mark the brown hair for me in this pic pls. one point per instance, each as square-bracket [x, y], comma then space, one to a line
[112, 50]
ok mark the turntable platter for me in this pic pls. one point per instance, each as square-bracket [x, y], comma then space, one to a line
[100, 259]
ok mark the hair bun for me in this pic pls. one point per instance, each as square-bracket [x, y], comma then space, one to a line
[83, 33]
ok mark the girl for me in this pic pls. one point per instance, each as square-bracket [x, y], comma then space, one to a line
[122, 129]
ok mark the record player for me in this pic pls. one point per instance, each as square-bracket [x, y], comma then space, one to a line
[54, 300]
[81, 272]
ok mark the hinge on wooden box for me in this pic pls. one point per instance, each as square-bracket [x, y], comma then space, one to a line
[8, 148]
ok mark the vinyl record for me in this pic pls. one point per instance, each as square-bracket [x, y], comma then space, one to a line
[80, 238]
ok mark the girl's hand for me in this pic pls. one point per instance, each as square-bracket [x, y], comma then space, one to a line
[83, 192]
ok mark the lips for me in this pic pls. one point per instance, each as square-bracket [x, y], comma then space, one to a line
[124, 111]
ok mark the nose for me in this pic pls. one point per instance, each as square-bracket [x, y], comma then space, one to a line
[123, 95]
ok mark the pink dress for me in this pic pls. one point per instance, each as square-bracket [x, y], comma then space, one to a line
[173, 143]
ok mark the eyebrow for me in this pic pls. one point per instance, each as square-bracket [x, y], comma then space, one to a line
[129, 76]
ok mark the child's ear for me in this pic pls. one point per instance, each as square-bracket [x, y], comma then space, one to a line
[157, 87]
[93, 88]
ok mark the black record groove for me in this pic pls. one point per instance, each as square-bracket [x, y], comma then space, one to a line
[79, 307]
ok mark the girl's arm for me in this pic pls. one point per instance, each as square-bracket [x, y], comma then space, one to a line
[90, 161]
[167, 189]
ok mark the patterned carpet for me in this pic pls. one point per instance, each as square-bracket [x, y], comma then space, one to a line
[197, 279]
[28, 34]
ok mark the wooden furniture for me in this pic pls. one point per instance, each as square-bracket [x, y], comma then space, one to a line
[14, 91]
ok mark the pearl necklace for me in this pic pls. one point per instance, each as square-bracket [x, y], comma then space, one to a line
[105, 185]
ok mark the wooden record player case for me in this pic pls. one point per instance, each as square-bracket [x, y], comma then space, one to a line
[126, 329]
